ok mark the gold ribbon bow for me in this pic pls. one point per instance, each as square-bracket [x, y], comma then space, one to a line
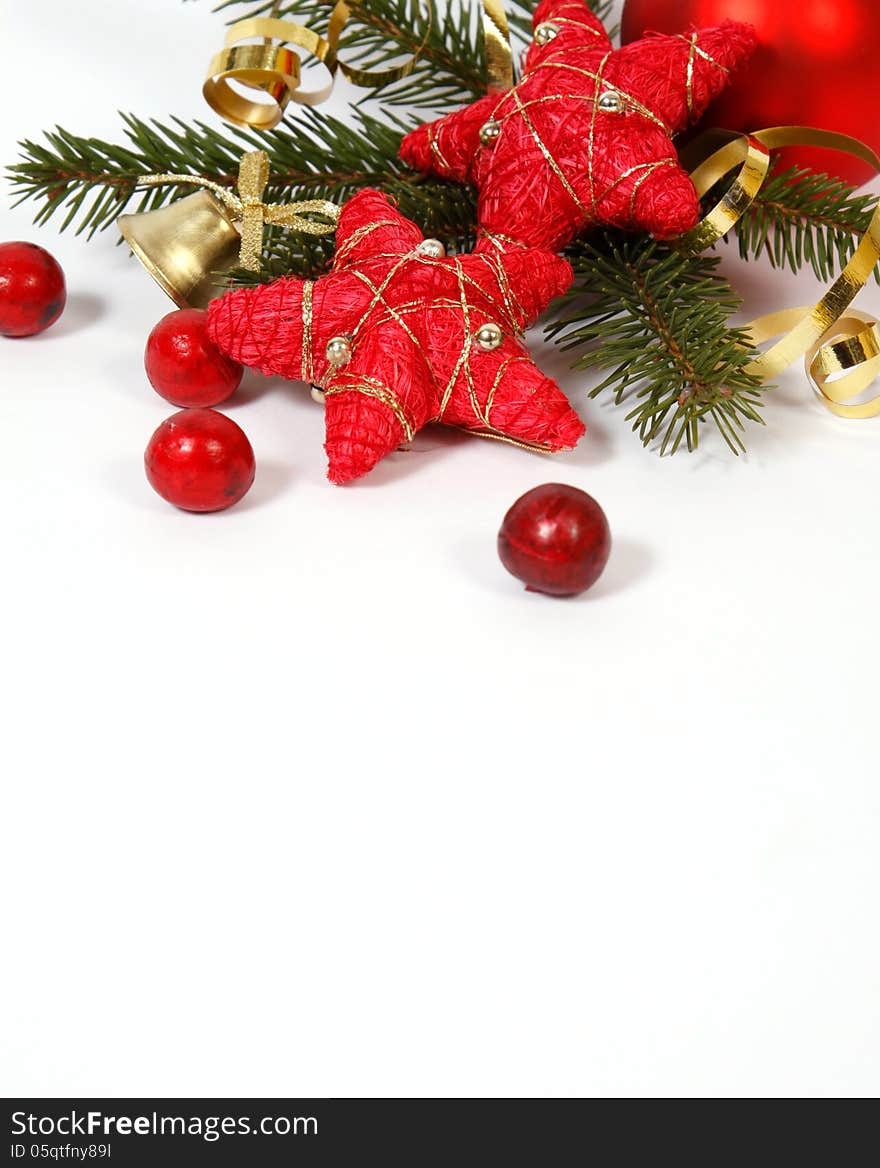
[253, 214]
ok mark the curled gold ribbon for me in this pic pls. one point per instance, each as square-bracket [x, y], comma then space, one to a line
[253, 214]
[275, 70]
[277, 80]
[272, 69]
[724, 216]
[846, 365]
[841, 347]
[374, 78]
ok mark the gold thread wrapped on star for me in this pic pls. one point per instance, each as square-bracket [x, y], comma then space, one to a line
[373, 387]
[252, 213]
[308, 308]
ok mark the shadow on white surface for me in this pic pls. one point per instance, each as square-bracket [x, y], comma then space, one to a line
[596, 448]
[271, 482]
[124, 481]
[255, 386]
[83, 310]
[630, 563]
[429, 444]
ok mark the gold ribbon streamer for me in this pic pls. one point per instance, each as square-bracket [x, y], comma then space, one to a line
[841, 346]
[255, 215]
[374, 78]
[499, 54]
[278, 82]
[853, 352]
[275, 69]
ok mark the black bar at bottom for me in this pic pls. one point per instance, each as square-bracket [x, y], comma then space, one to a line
[197, 1133]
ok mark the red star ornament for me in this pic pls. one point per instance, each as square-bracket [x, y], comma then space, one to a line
[586, 136]
[398, 335]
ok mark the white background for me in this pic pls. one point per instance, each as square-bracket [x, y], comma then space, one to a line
[310, 797]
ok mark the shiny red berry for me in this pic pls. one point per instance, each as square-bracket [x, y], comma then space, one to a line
[555, 539]
[185, 366]
[200, 460]
[32, 290]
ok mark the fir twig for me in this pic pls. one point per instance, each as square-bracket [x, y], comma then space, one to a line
[659, 322]
[93, 181]
[800, 217]
[318, 156]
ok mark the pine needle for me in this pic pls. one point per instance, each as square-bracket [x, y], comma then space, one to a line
[801, 218]
[659, 323]
[317, 156]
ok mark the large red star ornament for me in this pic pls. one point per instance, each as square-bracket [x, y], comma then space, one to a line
[398, 335]
[586, 135]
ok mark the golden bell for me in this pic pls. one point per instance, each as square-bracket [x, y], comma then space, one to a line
[185, 247]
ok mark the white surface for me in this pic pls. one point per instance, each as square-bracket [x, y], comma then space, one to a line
[310, 798]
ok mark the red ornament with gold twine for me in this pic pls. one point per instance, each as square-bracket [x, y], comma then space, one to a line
[815, 65]
[398, 335]
[586, 136]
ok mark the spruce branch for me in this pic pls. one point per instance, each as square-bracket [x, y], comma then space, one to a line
[93, 181]
[659, 322]
[800, 217]
[318, 156]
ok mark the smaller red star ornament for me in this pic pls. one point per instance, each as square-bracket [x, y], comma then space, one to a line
[586, 136]
[398, 335]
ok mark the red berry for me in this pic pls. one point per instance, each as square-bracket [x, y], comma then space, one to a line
[185, 366]
[32, 291]
[200, 460]
[555, 539]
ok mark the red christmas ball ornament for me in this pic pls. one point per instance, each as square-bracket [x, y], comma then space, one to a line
[32, 289]
[185, 366]
[816, 65]
[556, 539]
[200, 460]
